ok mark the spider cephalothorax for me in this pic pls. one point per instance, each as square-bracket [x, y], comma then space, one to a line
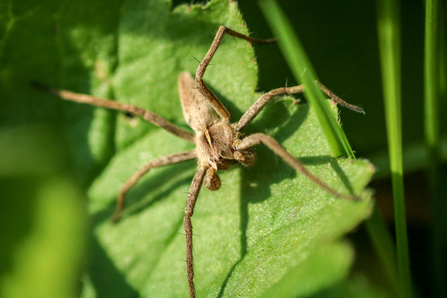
[215, 150]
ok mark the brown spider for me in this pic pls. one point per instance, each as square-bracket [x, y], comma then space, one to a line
[219, 143]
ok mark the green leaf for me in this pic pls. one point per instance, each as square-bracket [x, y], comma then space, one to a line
[308, 277]
[262, 221]
[265, 222]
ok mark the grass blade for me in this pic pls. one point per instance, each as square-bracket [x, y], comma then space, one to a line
[389, 47]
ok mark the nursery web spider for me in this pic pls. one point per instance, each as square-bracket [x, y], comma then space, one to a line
[219, 143]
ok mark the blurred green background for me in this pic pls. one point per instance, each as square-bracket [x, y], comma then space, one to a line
[340, 38]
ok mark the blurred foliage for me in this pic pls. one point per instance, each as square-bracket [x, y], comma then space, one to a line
[43, 217]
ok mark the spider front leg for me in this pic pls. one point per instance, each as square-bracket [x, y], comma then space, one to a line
[213, 100]
[189, 211]
[162, 161]
[273, 145]
[254, 110]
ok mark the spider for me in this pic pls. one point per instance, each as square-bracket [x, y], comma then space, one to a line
[219, 143]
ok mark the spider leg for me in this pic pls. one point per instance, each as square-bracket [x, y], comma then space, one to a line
[339, 100]
[273, 145]
[213, 100]
[106, 103]
[254, 110]
[189, 211]
[159, 162]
